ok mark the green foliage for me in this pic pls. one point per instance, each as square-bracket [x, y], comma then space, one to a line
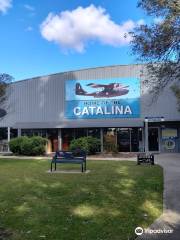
[5, 80]
[160, 7]
[38, 145]
[89, 144]
[159, 42]
[29, 146]
[16, 143]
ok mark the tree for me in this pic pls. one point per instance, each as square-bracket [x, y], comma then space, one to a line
[5, 80]
[158, 44]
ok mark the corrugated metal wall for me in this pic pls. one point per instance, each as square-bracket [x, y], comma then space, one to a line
[40, 102]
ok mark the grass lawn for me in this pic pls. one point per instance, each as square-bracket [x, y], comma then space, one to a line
[105, 204]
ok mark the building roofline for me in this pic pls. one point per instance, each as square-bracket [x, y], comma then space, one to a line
[78, 70]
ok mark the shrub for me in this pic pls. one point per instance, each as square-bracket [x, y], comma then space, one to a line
[26, 146]
[89, 144]
[16, 143]
[38, 145]
[29, 146]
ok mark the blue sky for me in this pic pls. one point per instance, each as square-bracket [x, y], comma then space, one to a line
[87, 35]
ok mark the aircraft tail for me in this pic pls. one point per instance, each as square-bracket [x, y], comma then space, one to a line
[80, 90]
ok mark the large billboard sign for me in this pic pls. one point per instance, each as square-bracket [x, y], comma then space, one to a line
[102, 98]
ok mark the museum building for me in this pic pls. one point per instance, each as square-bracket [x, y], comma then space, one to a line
[113, 104]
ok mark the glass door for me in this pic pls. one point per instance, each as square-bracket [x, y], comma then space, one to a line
[52, 135]
[153, 139]
[123, 139]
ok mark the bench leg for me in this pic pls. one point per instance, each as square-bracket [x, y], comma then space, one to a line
[51, 167]
[152, 159]
[82, 169]
[55, 166]
[85, 166]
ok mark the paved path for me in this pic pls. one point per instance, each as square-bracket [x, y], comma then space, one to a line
[170, 219]
[50, 157]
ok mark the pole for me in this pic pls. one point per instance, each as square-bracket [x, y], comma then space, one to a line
[102, 148]
[130, 145]
[59, 139]
[19, 132]
[9, 137]
[146, 136]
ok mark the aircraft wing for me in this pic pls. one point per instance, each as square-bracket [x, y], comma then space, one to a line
[94, 85]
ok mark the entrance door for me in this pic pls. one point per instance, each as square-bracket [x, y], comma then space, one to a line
[153, 139]
[52, 135]
[123, 139]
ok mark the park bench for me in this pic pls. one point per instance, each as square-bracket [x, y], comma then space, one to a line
[76, 157]
[145, 158]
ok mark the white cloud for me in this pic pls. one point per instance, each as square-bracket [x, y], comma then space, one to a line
[29, 7]
[74, 29]
[5, 5]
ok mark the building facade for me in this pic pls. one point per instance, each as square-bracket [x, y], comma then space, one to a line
[111, 103]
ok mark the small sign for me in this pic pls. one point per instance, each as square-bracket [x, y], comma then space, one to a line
[154, 119]
[169, 133]
[169, 144]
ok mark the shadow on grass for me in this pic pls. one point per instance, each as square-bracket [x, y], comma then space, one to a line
[108, 203]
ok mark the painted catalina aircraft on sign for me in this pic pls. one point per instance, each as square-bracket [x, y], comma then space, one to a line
[108, 90]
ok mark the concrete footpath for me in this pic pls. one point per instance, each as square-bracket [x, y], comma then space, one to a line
[170, 219]
[132, 158]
